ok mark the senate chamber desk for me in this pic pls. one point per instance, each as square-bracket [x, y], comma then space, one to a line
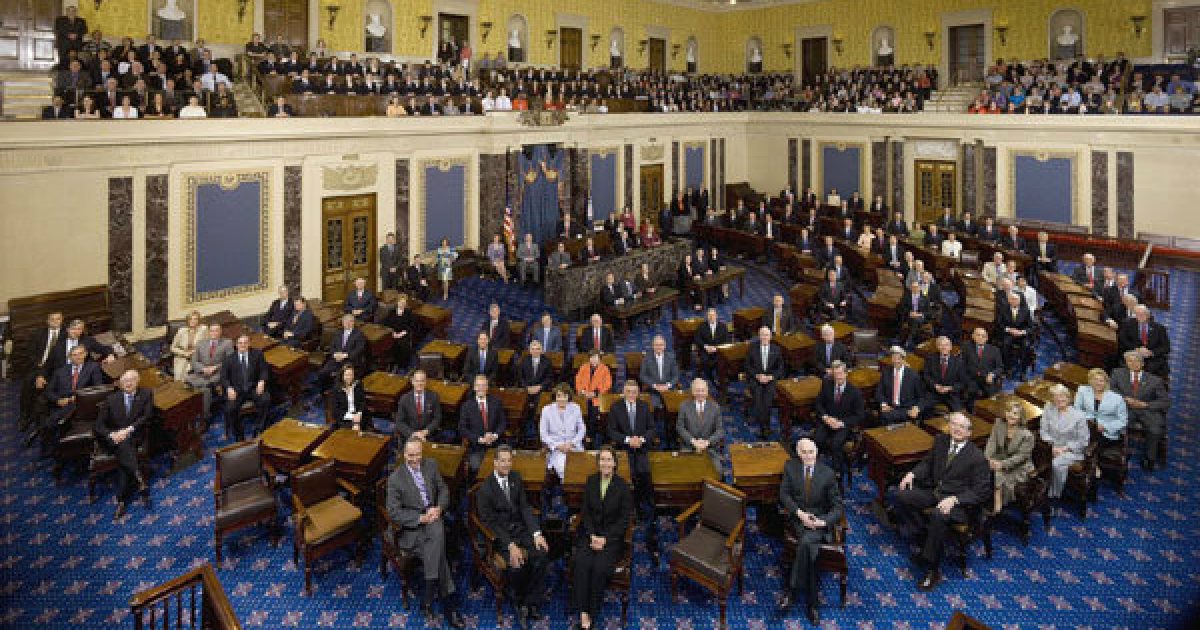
[678, 477]
[577, 288]
[892, 451]
[581, 465]
[529, 464]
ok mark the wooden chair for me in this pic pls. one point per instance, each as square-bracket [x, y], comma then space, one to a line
[711, 554]
[323, 519]
[622, 577]
[1113, 461]
[1081, 477]
[1032, 495]
[103, 462]
[243, 491]
[402, 561]
[963, 535]
[486, 554]
[633, 364]
[76, 440]
[867, 348]
[434, 365]
[831, 557]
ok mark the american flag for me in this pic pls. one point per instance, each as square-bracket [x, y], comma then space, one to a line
[509, 236]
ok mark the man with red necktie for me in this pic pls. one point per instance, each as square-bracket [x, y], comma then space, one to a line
[60, 393]
[899, 391]
[945, 379]
[596, 336]
[481, 423]
[984, 367]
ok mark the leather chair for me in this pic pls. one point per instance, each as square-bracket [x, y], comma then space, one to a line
[633, 365]
[1081, 476]
[831, 557]
[103, 462]
[402, 561]
[75, 440]
[243, 492]
[968, 259]
[622, 577]
[1032, 495]
[322, 519]
[434, 365]
[867, 348]
[1113, 461]
[488, 556]
[963, 535]
[711, 554]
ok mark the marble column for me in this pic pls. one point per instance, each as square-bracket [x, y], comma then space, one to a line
[968, 178]
[402, 202]
[721, 190]
[629, 175]
[674, 168]
[806, 164]
[513, 184]
[1100, 193]
[1125, 222]
[713, 151]
[120, 251]
[156, 250]
[988, 207]
[581, 179]
[793, 149]
[491, 196]
[293, 210]
[878, 170]
[897, 196]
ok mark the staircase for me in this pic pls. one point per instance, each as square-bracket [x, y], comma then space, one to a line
[25, 94]
[247, 101]
[954, 99]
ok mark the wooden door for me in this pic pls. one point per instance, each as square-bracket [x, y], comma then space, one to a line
[936, 189]
[288, 18]
[658, 55]
[652, 191]
[814, 58]
[570, 48]
[1181, 31]
[27, 34]
[453, 28]
[966, 54]
[348, 244]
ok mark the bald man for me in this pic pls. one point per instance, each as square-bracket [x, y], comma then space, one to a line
[119, 427]
[810, 498]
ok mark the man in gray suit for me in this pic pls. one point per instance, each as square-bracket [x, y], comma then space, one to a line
[527, 260]
[1147, 400]
[659, 372]
[417, 498]
[559, 258]
[547, 333]
[390, 262]
[699, 424]
[206, 364]
[419, 412]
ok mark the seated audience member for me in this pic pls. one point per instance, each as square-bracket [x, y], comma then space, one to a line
[931, 290]
[183, 346]
[348, 400]
[497, 327]
[481, 359]
[280, 108]
[278, 313]
[57, 109]
[612, 293]
[698, 426]
[995, 270]
[967, 225]
[708, 336]
[300, 325]
[848, 233]
[561, 429]
[1146, 337]
[916, 233]
[528, 257]
[404, 327]
[87, 108]
[605, 514]
[809, 496]
[988, 231]
[207, 359]
[497, 255]
[659, 371]
[1105, 407]
[560, 258]
[899, 391]
[591, 380]
[945, 378]
[1009, 452]
[828, 349]
[348, 346]
[984, 367]
[778, 317]
[1014, 325]
[951, 247]
[933, 237]
[59, 395]
[244, 379]
[897, 225]
[913, 311]
[418, 413]
[120, 428]
[826, 253]
[763, 366]
[1065, 429]
[126, 109]
[503, 507]
[839, 410]
[833, 297]
[361, 302]
[546, 332]
[416, 278]
[192, 110]
[643, 281]
[1088, 275]
[417, 499]
[1012, 240]
[590, 253]
[535, 372]
[1147, 402]
[596, 336]
[952, 478]
[481, 422]
[1044, 254]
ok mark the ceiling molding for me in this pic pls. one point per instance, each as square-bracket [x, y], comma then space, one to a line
[723, 6]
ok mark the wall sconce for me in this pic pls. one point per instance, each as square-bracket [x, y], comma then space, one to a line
[486, 29]
[642, 45]
[837, 44]
[675, 50]
[550, 35]
[1002, 33]
[425, 21]
[1139, 24]
[98, 3]
[787, 51]
[595, 40]
[333, 13]
[242, 10]
[929, 37]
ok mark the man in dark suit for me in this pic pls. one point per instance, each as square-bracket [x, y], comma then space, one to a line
[912, 312]
[840, 409]
[41, 348]
[659, 371]
[828, 350]
[1088, 275]
[481, 359]
[496, 326]
[300, 325]
[535, 372]
[899, 390]
[566, 228]
[596, 336]
[1012, 239]
[503, 507]
[419, 411]
[763, 366]
[878, 208]
[624, 242]
[947, 221]
[58, 109]
[933, 237]
[278, 314]
[833, 297]
[1147, 399]
[825, 253]
[893, 253]
[417, 499]
[1014, 325]
[1146, 337]
[119, 428]
[390, 261]
[897, 225]
[988, 231]
[612, 293]
[1113, 296]
[945, 378]
[361, 301]
[778, 317]
[416, 278]
[348, 345]
[967, 225]
[847, 232]
[546, 332]
[76, 335]
[1045, 257]
[480, 422]
[952, 478]
[60, 393]
[983, 365]
[707, 337]
[631, 428]
[809, 496]
[244, 379]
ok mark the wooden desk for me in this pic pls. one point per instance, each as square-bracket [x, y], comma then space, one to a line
[514, 400]
[384, 390]
[379, 341]
[981, 429]
[892, 452]
[758, 469]
[866, 379]
[435, 319]
[289, 367]
[451, 352]
[796, 398]
[746, 322]
[1070, 374]
[678, 477]
[152, 377]
[262, 341]
[359, 456]
[682, 334]
[672, 399]
[581, 465]
[451, 460]
[725, 276]
[975, 317]
[531, 465]
[288, 443]
[132, 361]
[662, 296]
[843, 332]
[797, 349]
[180, 406]
[993, 409]
[730, 357]
[1096, 342]
[451, 395]
[579, 358]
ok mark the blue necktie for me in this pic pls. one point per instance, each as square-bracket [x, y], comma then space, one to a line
[128, 403]
[420, 481]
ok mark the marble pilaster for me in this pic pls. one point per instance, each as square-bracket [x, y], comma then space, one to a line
[1100, 193]
[674, 168]
[806, 164]
[120, 251]
[878, 168]
[1125, 194]
[581, 179]
[968, 178]
[156, 250]
[491, 196]
[293, 210]
[988, 207]
[793, 149]
[629, 175]
[897, 191]
[402, 204]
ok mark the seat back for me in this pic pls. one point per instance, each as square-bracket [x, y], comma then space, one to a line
[433, 363]
[866, 343]
[969, 259]
[237, 463]
[88, 401]
[633, 364]
[315, 482]
[722, 507]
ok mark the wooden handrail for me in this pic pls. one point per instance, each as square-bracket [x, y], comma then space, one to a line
[215, 610]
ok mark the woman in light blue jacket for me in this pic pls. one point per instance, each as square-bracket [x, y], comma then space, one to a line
[1101, 404]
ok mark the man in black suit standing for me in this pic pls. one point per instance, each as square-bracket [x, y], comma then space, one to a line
[348, 345]
[899, 390]
[482, 359]
[480, 422]
[708, 336]
[840, 409]
[826, 253]
[1045, 257]
[912, 312]
[983, 365]
[361, 301]
[496, 326]
[827, 351]
[244, 379]
[118, 431]
[954, 477]
[631, 429]
[763, 366]
[390, 261]
[947, 221]
[1146, 337]
[278, 314]
[810, 497]
[41, 348]
[419, 411]
[503, 507]
[945, 379]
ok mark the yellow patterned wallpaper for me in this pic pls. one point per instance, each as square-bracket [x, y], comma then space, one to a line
[721, 36]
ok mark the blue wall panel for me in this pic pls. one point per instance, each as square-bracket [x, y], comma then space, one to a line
[1042, 188]
[693, 167]
[228, 237]
[604, 185]
[445, 205]
[842, 170]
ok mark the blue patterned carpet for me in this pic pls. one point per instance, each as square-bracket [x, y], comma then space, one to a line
[1132, 564]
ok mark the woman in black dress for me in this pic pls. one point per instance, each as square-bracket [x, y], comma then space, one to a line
[349, 401]
[600, 538]
[404, 329]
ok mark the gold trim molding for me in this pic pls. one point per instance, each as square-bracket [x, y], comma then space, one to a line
[444, 165]
[1043, 156]
[653, 152]
[349, 177]
[841, 146]
[227, 180]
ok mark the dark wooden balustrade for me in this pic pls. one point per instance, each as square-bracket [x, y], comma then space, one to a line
[195, 599]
